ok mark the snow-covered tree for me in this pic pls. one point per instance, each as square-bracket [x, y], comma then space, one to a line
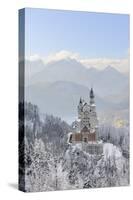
[51, 164]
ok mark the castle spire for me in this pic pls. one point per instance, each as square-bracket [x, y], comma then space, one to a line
[80, 107]
[92, 96]
[91, 93]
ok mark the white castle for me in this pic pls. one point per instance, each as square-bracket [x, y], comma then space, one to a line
[85, 129]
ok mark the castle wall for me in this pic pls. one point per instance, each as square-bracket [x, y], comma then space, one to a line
[83, 137]
[88, 136]
[93, 148]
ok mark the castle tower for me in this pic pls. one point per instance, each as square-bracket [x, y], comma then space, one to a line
[80, 107]
[93, 114]
[92, 97]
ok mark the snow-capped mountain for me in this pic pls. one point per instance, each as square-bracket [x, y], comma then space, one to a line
[57, 86]
[106, 82]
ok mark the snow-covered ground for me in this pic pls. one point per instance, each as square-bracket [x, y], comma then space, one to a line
[110, 150]
[108, 169]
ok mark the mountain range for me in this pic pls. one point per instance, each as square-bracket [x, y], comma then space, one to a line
[57, 86]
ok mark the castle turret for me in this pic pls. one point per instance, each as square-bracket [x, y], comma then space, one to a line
[80, 107]
[92, 97]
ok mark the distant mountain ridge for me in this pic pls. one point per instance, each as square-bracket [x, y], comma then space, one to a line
[61, 98]
[106, 82]
[57, 87]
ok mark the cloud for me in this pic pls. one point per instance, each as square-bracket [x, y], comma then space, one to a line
[121, 65]
[61, 55]
[34, 57]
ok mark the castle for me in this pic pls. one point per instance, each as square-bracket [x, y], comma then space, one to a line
[85, 129]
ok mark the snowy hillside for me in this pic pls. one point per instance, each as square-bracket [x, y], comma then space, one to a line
[110, 150]
[52, 164]
[109, 169]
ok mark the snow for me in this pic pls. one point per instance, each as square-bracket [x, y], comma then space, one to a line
[113, 152]
[109, 150]
[93, 105]
[29, 124]
[78, 145]
[51, 165]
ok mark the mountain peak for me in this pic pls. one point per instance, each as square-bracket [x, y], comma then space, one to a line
[110, 68]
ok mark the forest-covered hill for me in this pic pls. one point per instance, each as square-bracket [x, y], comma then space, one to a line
[52, 164]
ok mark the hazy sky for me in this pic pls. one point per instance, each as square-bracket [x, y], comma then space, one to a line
[92, 35]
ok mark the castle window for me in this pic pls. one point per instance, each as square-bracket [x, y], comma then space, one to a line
[85, 139]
